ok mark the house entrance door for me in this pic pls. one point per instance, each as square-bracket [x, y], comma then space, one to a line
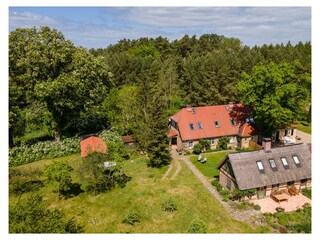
[261, 193]
[174, 141]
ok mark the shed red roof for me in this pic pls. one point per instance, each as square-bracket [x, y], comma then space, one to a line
[230, 120]
[128, 139]
[92, 144]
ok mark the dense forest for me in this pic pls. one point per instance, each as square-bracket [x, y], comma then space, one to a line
[133, 86]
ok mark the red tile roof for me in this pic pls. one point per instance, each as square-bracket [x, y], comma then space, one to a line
[207, 116]
[92, 144]
[172, 133]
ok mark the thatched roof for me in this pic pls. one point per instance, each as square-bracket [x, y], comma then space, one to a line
[248, 175]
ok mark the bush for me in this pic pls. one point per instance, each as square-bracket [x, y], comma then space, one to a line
[197, 149]
[132, 218]
[60, 172]
[307, 192]
[198, 226]
[42, 150]
[257, 207]
[117, 151]
[169, 205]
[98, 178]
[33, 216]
[223, 143]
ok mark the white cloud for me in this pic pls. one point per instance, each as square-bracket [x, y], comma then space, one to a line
[28, 19]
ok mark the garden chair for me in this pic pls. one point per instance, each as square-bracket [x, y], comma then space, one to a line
[204, 160]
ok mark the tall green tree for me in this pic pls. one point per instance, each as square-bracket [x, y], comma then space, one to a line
[157, 145]
[45, 67]
[277, 93]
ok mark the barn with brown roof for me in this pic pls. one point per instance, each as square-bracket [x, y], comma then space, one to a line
[267, 170]
[92, 144]
[191, 124]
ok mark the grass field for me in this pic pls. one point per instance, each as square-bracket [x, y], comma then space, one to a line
[144, 193]
[209, 169]
[305, 128]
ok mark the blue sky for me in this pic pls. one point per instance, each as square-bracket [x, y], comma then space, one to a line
[96, 27]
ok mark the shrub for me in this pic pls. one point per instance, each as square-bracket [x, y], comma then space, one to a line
[169, 205]
[132, 218]
[307, 192]
[198, 226]
[98, 178]
[223, 143]
[60, 172]
[197, 149]
[257, 207]
[33, 216]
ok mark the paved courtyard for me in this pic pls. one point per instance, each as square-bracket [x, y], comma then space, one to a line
[269, 205]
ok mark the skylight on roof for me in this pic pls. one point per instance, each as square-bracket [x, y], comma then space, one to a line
[233, 122]
[284, 162]
[200, 125]
[191, 126]
[296, 160]
[272, 164]
[216, 123]
[260, 166]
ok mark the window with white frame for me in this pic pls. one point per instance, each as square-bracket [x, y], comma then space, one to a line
[260, 166]
[296, 160]
[284, 162]
[190, 144]
[232, 139]
[212, 141]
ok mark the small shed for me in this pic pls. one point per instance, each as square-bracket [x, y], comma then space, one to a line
[128, 140]
[92, 144]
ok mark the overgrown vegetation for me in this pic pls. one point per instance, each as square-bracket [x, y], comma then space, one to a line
[307, 192]
[144, 194]
[298, 221]
[97, 177]
[60, 172]
[43, 150]
[32, 215]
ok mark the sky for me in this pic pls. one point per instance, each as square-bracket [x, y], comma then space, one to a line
[97, 27]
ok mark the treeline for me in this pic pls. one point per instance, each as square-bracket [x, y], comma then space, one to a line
[132, 86]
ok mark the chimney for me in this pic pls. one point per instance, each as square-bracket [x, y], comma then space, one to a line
[266, 144]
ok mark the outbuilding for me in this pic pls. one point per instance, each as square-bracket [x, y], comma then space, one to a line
[92, 144]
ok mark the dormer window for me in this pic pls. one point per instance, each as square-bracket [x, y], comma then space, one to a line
[200, 125]
[260, 166]
[216, 123]
[296, 160]
[284, 162]
[191, 125]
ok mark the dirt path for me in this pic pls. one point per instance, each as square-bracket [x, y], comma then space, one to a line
[249, 216]
[305, 137]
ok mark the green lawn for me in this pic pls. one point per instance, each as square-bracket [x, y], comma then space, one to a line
[304, 128]
[209, 169]
[144, 193]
